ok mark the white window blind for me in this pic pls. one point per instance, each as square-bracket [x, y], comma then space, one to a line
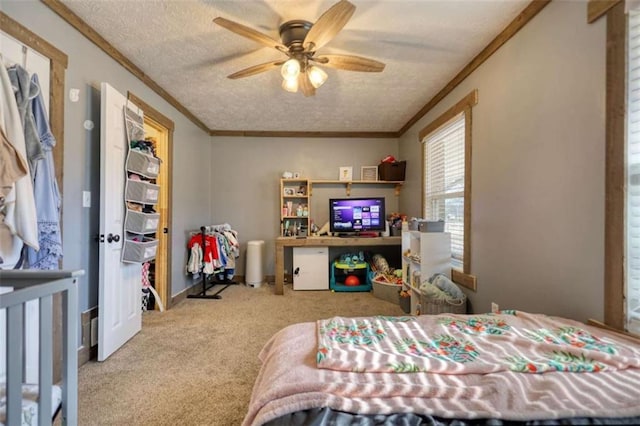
[633, 177]
[444, 181]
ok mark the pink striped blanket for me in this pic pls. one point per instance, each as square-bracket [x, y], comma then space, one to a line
[451, 366]
[479, 344]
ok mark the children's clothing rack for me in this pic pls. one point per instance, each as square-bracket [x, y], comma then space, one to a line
[206, 277]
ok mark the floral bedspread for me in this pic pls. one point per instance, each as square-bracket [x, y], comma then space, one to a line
[466, 344]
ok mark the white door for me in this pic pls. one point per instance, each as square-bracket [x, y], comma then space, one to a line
[119, 297]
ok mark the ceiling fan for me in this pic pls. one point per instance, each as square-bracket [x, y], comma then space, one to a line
[300, 42]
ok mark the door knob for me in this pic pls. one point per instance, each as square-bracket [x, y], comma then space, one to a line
[297, 271]
[113, 238]
[116, 238]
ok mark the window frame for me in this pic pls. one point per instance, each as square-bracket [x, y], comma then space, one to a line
[462, 277]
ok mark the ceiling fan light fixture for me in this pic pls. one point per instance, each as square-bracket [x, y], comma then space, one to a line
[290, 69]
[290, 85]
[317, 76]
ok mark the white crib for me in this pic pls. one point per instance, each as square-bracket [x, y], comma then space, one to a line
[31, 285]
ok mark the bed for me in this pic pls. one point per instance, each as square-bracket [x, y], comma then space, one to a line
[38, 403]
[512, 367]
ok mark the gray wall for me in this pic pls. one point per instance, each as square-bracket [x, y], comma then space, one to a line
[246, 175]
[88, 67]
[538, 152]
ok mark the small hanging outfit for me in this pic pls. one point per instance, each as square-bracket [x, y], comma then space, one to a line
[46, 193]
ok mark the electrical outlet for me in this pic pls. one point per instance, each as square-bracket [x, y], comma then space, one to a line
[495, 308]
[94, 332]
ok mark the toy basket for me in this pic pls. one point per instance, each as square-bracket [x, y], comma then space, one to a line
[431, 306]
[386, 291]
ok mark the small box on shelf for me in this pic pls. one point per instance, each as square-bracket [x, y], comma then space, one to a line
[392, 171]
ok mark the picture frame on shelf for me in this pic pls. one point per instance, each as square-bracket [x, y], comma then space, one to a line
[288, 192]
[346, 173]
[369, 173]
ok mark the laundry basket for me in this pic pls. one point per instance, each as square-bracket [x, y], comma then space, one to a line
[432, 306]
[254, 274]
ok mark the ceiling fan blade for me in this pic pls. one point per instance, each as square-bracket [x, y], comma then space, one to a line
[305, 85]
[328, 25]
[249, 33]
[350, 63]
[256, 69]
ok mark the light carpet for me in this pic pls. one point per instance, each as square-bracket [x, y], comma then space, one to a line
[195, 364]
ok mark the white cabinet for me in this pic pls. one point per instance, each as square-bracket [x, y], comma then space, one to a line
[423, 254]
[311, 268]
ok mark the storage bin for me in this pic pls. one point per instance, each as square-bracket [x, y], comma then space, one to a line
[431, 225]
[405, 304]
[141, 223]
[142, 192]
[386, 291]
[416, 305]
[143, 164]
[392, 171]
[139, 251]
[439, 306]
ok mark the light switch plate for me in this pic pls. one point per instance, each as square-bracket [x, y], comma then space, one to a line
[86, 199]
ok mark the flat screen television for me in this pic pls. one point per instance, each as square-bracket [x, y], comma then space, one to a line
[352, 216]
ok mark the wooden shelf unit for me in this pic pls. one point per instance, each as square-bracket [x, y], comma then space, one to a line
[300, 189]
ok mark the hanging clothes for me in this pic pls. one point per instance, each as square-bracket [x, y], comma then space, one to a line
[46, 193]
[14, 166]
[18, 223]
[220, 253]
[25, 91]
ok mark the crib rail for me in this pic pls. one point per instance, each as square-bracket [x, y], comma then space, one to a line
[41, 285]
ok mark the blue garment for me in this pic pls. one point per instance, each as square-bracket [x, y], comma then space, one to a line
[46, 194]
[25, 92]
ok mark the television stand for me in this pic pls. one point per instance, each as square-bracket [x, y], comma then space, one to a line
[289, 242]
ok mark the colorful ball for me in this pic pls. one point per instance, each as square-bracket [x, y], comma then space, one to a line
[352, 280]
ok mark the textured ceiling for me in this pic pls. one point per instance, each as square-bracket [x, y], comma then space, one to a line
[424, 44]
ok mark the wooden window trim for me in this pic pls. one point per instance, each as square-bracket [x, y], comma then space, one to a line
[463, 277]
[614, 303]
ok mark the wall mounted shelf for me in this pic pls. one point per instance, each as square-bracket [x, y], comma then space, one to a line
[348, 184]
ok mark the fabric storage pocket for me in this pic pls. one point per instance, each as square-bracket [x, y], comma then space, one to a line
[143, 164]
[141, 223]
[142, 192]
[139, 251]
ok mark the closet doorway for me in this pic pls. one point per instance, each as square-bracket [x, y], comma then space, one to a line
[160, 129]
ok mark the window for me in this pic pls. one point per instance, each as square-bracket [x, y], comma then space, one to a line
[447, 172]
